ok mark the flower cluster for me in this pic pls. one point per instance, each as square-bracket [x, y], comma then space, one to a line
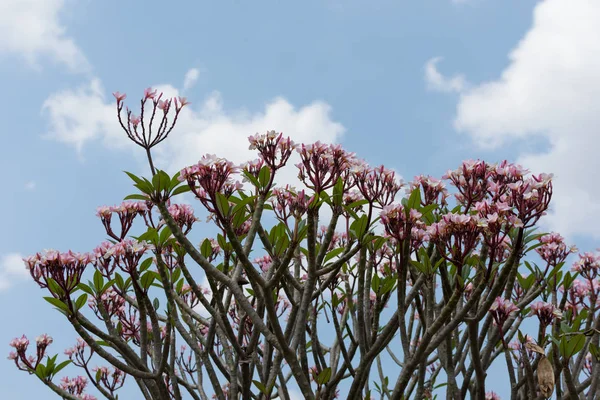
[400, 225]
[211, 175]
[456, 235]
[141, 130]
[76, 386]
[264, 262]
[553, 249]
[20, 357]
[546, 312]
[289, 203]
[190, 298]
[274, 150]
[183, 214]
[64, 269]
[126, 254]
[339, 239]
[111, 378]
[501, 310]
[127, 211]
[471, 181]
[253, 168]
[531, 197]
[434, 190]
[77, 353]
[322, 165]
[588, 265]
[215, 249]
[377, 184]
[111, 301]
[515, 346]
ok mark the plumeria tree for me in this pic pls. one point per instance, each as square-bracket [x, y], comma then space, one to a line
[345, 287]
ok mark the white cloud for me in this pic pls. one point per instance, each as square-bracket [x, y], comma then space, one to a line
[78, 117]
[191, 77]
[32, 28]
[30, 185]
[550, 90]
[437, 82]
[12, 270]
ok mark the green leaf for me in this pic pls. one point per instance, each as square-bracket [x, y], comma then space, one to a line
[221, 241]
[414, 200]
[338, 193]
[40, 371]
[165, 234]
[595, 351]
[156, 304]
[176, 274]
[427, 213]
[60, 366]
[375, 281]
[324, 376]
[134, 177]
[147, 279]
[181, 189]
[575, 344]
[359, 227]
[142, 184]
[251, 178]
[418, 266]
[241, 205]
[50, 364]
[136, 197]
[80, 302]
[240, 218]
[206, 248]
[324, 197]
[161, 181]
[335, 301]
[108, 284]
[282, 244]
[261, 387]
[378, 242]
[264, 176]
[388, 285]
[222, 204]
[333, 253]
[57, 303]
[151, 235]
[179, 286]
[98, 281]
[86, 288]
[146, 264]
[175, 181]
[555, 270]
[54, 288]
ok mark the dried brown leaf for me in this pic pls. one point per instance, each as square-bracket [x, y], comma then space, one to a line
[535, 347]
[545, 375]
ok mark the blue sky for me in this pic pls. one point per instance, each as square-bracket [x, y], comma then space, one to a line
[416, 86]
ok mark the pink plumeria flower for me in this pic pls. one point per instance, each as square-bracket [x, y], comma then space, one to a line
[135, 120]
[149, 93]
[120, 97]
